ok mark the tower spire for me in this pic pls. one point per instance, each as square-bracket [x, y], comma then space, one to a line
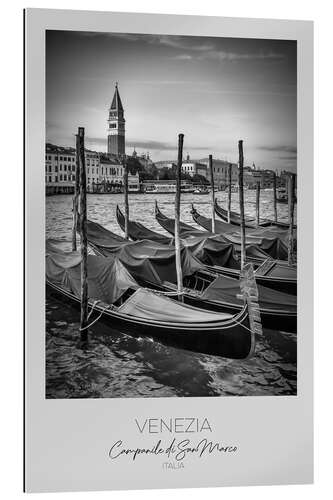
[116, 126]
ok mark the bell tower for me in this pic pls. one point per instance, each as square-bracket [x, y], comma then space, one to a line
[116, 126]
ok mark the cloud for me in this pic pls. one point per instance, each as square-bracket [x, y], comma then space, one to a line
[292, 150]
[290, 157]
[159, 145]
[183, 57]
[232, 56]
[183, 42]
[101, 141]
[148, 145]
[194, 47]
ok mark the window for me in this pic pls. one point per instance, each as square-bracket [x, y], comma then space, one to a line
[56, 179]
[50, 168]
[60, 167]
[65, 168]
[50, 178]
[61, 177]
[73, 177]
[92, 170]
[60, 158]
[65, 177]
[112, 125]
[88, 170]
[56, 168]
[102, 170]
[88, 162]
[96, 170]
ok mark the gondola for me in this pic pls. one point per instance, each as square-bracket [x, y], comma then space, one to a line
[117, 300]
[153, 266]
[249, 222]
[273, 244]
[218, 256]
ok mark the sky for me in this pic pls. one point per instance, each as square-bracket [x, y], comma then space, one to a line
[213, 90]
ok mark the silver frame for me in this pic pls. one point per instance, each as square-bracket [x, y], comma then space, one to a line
[67, 441]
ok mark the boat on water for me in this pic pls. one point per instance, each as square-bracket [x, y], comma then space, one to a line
[219, 256]
[260, 243]
[116, 299]
[201, 191]
[152, 265]
[249, 222]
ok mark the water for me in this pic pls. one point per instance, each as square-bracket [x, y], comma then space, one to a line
[117, 365]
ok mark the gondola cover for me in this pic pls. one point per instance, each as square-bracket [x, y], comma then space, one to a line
[108, 279]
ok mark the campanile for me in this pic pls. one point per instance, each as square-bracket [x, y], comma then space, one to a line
[116, 126]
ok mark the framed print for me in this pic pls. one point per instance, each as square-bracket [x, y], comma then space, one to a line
[168, 251]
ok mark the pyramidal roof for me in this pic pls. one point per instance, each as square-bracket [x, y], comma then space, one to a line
[116, 101]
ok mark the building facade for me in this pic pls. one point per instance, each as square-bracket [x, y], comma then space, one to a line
[104, 173]
[60, 164]
[194, 167]
[116, 127]
[221, 172]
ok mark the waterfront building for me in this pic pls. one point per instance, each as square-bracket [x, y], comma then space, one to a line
[59, 169]
[194, 167]
[220, 170]
[116, 127]
[254, 176]
[111, 173]
[104, 173]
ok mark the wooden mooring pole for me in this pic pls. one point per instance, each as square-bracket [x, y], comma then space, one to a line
[258, 204]
[274, 198]
[177, 217]
[83, 237]
[211, 170]
[126, 197]
[229, 191]
[291, 206]
[76, 196]
[241, 201]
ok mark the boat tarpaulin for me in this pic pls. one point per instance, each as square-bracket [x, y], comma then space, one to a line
[145, 304]
[144, 259]
[210, 250]
[271, 241]
[226, 289]
[108, 279]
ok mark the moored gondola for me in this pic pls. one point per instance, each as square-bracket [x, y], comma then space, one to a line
[116, 299]
[153, 266]
[218, 256]
[249, 222]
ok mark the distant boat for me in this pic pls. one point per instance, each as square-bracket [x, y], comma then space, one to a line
[201, 191]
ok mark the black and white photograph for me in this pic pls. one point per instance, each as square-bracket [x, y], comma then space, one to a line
[171, 216]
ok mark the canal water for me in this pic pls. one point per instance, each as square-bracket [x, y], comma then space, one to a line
[117, 365]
